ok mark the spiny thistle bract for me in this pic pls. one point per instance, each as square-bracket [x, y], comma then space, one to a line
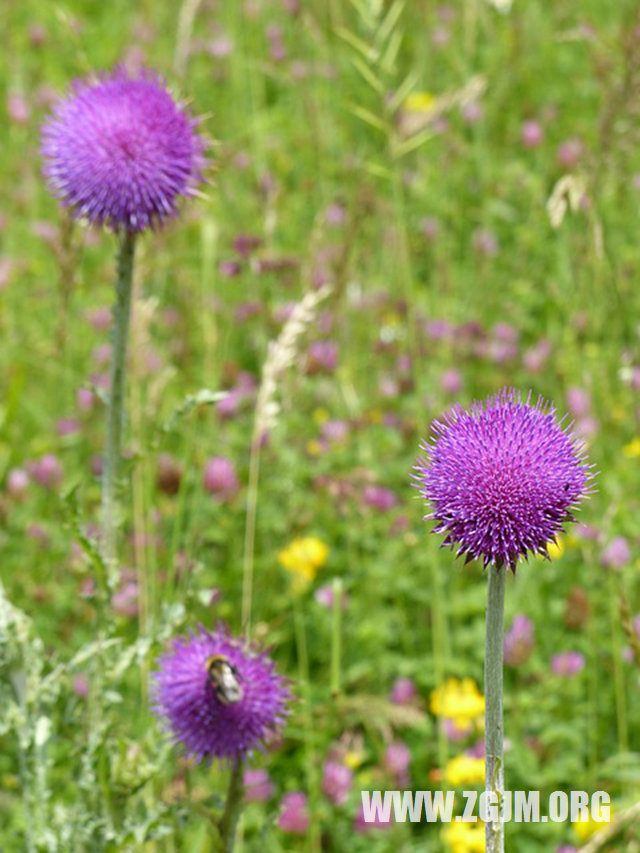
[119, 151]
[502, 478]
[185, 698]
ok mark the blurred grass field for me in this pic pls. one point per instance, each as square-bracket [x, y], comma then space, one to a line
[406, 155]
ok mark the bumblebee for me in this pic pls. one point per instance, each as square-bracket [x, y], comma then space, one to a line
[225, 680]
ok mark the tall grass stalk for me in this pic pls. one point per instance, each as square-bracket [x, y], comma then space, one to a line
[280, 357]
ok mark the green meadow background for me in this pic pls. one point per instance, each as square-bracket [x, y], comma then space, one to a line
[375, 147]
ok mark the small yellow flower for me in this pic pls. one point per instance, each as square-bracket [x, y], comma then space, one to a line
[464, 770]
[556, 549]
[420, 102]
[586, 828]
[313, 447]
[632, 450]
[320, 415]
[353, 759]
[303, 557]
[465, 837]
[460, 701]
[391, 319]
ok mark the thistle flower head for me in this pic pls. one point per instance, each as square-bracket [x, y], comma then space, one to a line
[502, 478]
[208, 726]
[119, 151]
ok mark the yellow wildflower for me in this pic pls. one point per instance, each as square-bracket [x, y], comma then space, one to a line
[460, 701]
[556, 549]
[632, 450]
[464, 770]
[353, 759]
[420, 102]
[586, 828]
[320, 415]
[465, 837]
[303, 557]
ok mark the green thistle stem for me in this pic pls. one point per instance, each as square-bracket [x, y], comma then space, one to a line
[494, 725]
[115, 404]
[233, 805]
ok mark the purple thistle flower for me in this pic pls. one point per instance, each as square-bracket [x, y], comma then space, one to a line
[185, 697]
[120, 151]
[502, 477]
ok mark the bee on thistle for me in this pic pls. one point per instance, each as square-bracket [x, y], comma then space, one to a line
[225, 679]
[217, 696]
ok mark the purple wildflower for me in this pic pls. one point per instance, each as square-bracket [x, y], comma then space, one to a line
[322, 357]
[518, 641]
[258, 787]
[47, 471]
[185, 697]
[455, 732]
[379, 498]
[220, 478]
[451, 381]
[336, 781]
[17, 483]
[80, 685]
[403, 691]
[120, 151]
[502, 478]
[294, 818]
[531, 134]
[567, 663]
[617, 554]
[324, 595]
[396, 760]
[125, 599]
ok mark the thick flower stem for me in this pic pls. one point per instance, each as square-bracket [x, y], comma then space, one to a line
[233, 805]
[115, 403]
[494, 727]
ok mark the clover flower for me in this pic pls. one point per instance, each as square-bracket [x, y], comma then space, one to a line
[185, 697]
[120, 151]
[502, 478]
